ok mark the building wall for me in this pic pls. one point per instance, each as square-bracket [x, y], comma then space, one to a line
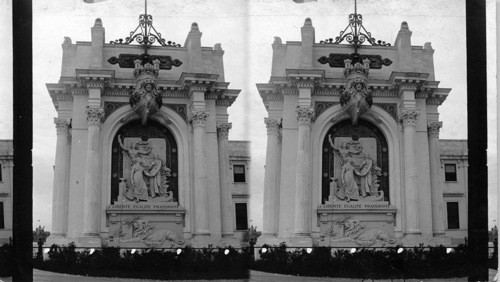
[239, 154]
[454, 152]
[6, 188]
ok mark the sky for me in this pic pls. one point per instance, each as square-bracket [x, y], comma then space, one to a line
[246, 30]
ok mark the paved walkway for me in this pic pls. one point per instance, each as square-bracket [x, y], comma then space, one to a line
[39, 275]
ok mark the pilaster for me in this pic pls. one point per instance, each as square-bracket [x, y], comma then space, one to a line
[271, 188]
[61, 171]
[225, 187]
[95, 118]
[408, 118]
[305, 118]
[437, 194]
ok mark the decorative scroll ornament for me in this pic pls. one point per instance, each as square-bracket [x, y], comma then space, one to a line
[128, 60]
[355, 33]
[305, 116]
[223, 129]
[408, 117]
[356, 100]
[95, 116]
[433, 128]
[145, 34]
[336, 60]
[273, 126]
[138, 229]
[198, 118]
[146, 99]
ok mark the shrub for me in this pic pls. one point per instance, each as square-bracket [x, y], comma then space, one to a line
[6, 260]
[207, 263]
[418, 262]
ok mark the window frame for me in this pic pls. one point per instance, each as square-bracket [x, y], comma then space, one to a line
[455, 173]
[236, 216]
[244, 173]
[449, 205]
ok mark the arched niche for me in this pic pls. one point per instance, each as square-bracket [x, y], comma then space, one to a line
[164, 146]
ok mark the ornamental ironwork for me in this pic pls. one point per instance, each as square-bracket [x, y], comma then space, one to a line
[145, 34]
[355, 33]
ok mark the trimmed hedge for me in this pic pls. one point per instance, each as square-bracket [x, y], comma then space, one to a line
[207, 263]
[6, 260]
[418, 262]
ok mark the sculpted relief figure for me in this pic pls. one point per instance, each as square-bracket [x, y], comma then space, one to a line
[147, 173]
[359, 174]
[355, 231]
[138, 229]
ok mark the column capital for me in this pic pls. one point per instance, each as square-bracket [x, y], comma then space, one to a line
[62, 125]
[95, 116]
[198, 118]
[433, 128]
[273, 126]
[305, 116]
[223, 129]
[408, 117]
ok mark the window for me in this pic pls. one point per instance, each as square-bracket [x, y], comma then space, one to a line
[453, 216]
[239, 173]
[1, 173]
[2, 226]
[450, 172]
[241, 216]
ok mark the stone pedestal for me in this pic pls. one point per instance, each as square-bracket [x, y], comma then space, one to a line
[356, 224]
[145, 225]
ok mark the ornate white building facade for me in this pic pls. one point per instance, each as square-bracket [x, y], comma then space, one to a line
[142, 142]
[353, 152]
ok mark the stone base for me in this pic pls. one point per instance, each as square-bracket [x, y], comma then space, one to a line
[415, 240]
[268, 240]
[204, 242]
[58, 240]
[90, 242]
[230, 241]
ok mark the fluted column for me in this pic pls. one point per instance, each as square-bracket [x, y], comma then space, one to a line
[95, 117]
[305, 116]
[408, 118]
[226, 200]
[198, 121]
[271, 192]
[60, 193]
[437, 193]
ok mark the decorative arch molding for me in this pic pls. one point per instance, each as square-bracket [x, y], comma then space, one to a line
[179, 129]
[390, 129]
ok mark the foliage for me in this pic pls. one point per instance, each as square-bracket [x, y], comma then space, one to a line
[6, 260]
[418, 262]
[163, 264]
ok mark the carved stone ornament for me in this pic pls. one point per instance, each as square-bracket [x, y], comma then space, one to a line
[433, 128]
[128, 61]
[62, 125]
[149, 176]
[352, 230]
[356, 100]
[223, 129]
[138, 229]
[305, 116]
[408, 117]
[146, 99]
[335, 60]
[273, 126]
[95, 116]
[359, 174]
[198, 118]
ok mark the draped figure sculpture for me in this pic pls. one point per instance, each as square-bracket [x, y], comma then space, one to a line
[146, 171]
[358, 176]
